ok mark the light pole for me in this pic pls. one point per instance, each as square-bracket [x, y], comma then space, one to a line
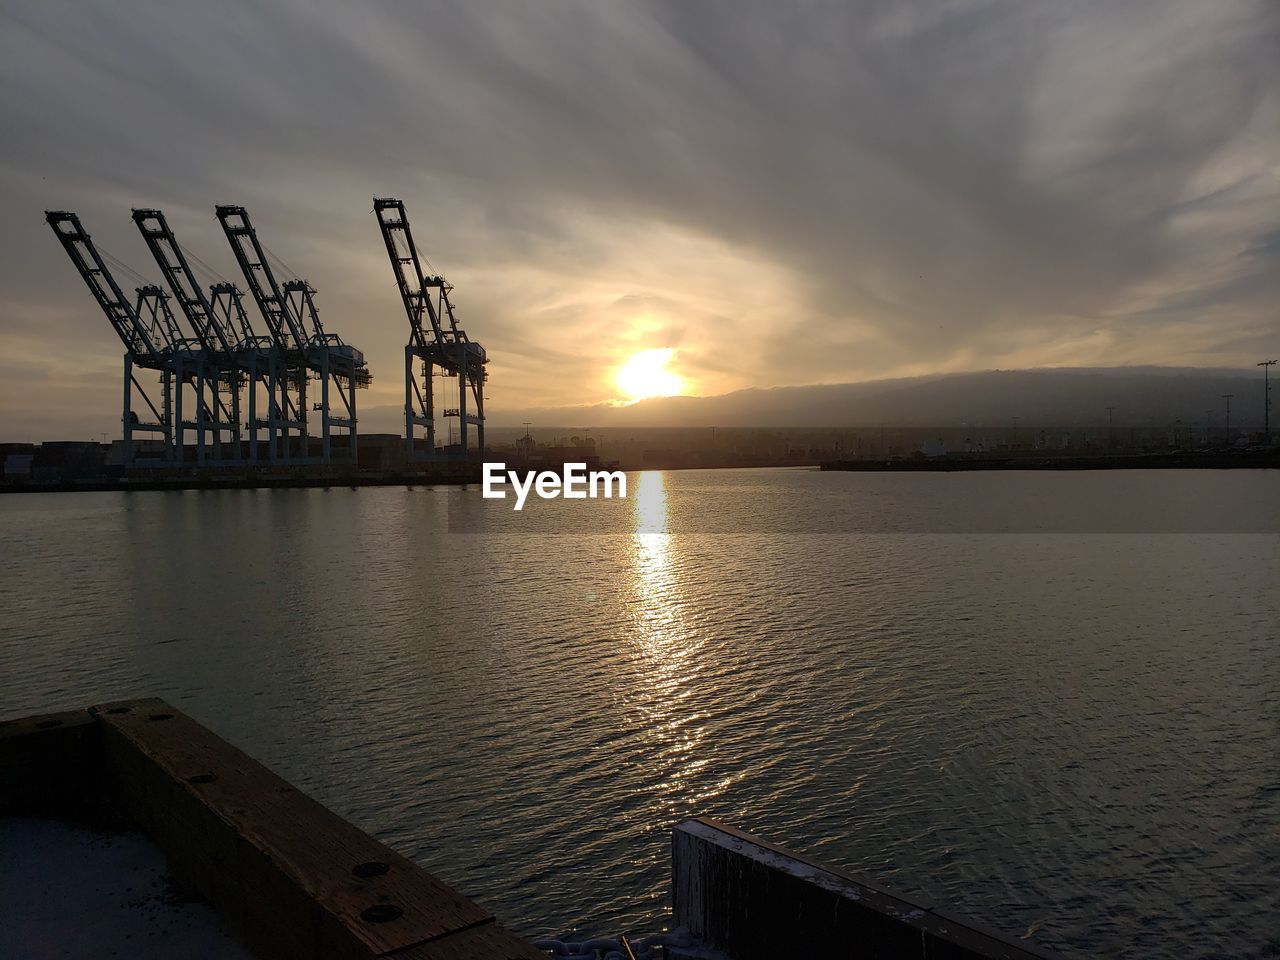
[1111, 432]
[1227, 397]
[1266, 366]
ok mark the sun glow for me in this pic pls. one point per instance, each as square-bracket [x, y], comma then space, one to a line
[645, 374]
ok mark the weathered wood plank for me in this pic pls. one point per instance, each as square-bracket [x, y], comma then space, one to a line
[489, 942]
[758, 901]
[294, 877]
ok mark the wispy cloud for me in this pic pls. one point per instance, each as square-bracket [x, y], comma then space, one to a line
[785, 193]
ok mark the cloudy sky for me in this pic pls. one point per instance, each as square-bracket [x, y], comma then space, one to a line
[776, 193]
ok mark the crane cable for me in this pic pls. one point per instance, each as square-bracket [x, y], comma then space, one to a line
[207, 272]
[123, 267]
[279, 264]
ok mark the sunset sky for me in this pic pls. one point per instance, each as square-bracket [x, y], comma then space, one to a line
[760, 193]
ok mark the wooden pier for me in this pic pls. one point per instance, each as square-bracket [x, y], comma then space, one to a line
[753, 900]
[288, 877]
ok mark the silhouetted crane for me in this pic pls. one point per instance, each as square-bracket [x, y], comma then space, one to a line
[287, 309]
[435, 338]
[152, 341]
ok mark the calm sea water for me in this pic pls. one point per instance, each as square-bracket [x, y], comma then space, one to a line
[1063, 731]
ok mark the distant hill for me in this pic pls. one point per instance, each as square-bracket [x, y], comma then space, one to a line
[1141, 396]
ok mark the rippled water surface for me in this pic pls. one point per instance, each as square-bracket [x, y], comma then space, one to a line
[1074, 735]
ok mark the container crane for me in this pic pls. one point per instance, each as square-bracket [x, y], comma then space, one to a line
[435, 338]
[152, 341]
[243, 357]
[218, 342]
[287, 309]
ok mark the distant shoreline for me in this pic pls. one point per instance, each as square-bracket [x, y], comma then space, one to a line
[1250, 459]
[1255, 459]
[216, 482]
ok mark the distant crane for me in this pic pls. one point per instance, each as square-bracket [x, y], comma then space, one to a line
[436, 339]
[287, 309]
[211, 333]
[217, 334]
[1266, 366]
[152, 341]
[220, 321]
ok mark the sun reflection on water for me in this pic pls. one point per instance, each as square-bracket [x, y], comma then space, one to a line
[667, 649]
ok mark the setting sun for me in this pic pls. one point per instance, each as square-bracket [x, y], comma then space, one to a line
[645, 374]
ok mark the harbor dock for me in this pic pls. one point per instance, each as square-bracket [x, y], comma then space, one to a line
[287, 878]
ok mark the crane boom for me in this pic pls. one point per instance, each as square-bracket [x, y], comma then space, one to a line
[213, 334]
[415, 285]
[436, 340]
[146, 342]
[286, 329]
